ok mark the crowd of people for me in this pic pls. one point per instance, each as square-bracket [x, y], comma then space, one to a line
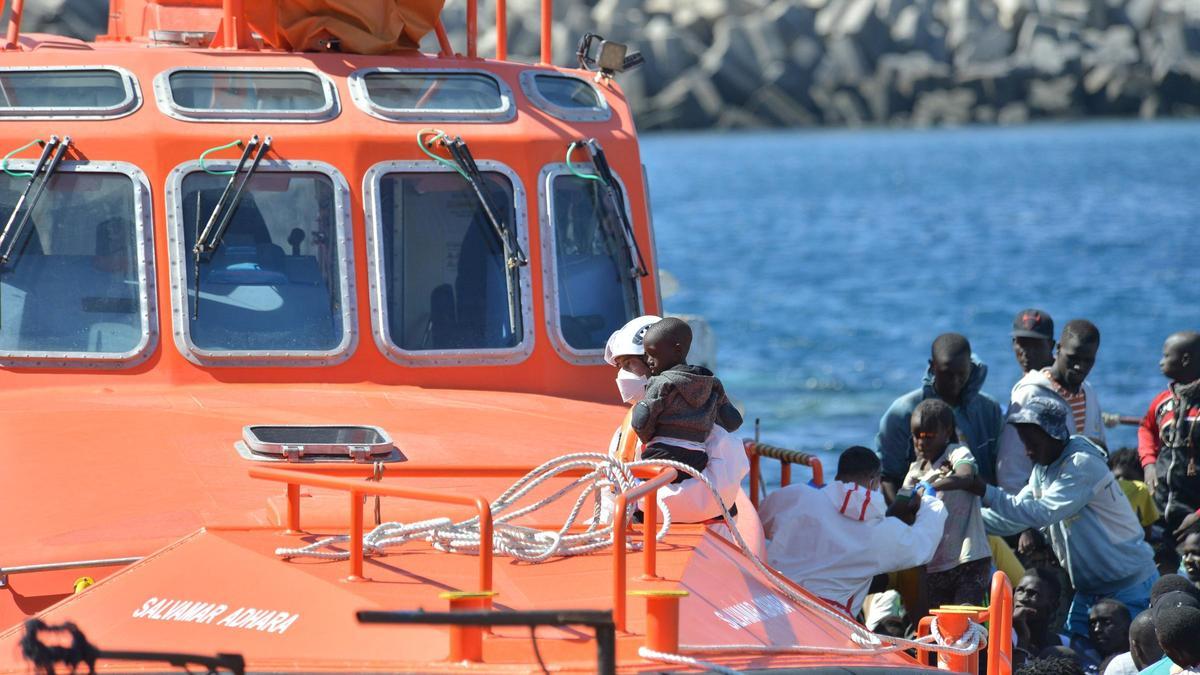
[1101, 544]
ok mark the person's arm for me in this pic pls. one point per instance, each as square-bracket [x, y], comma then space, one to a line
[1148, 445]
[892, 444]
[1063, 498]
[645, 414]
[1095, 419]
[995, 426]
[727, 415]
[902, 546]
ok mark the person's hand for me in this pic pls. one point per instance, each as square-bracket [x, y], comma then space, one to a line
[973, 484]
[906, 509]
[1190, 521]
[1151, 476]
[1027, 543]
[1020, 624]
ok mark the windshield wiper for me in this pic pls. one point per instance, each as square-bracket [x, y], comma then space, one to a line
[208, 240]
[616, 199]
[80, 651]
[462, 157]
[47, 164]
[514, 257]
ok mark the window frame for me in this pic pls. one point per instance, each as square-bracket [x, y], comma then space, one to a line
[166, 102]
[147, 295]
[181, 262]
[359, 94]
[529, 86]
[376, 273]
[579, 357]
[131, 104]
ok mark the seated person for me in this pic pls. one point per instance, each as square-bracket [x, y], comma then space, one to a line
[1108, 630]
[834, 540]
[1143, 648]
[681, 402]
[1035, 608]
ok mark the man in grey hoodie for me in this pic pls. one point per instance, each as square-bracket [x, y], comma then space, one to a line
[957, 378]
[1075, 501]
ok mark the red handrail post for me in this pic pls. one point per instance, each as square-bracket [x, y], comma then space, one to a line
[755, 475]
[13, 39]
[443, 39]
[547, 32]
[662, 618]
[650, 487]
[485, 547]
[293, 508]
[472, 27]
[999, 661]
[356, 536]
[785, 474]
[649, 538]
[501, 30]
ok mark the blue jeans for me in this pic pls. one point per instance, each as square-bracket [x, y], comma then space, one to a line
[1135, 596]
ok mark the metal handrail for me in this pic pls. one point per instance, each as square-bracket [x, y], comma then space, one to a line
[68, 565]
[358, 489]
[786, 457]
[648, 492]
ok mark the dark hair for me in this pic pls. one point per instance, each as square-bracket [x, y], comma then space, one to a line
[1051, 665]
[671, 329]
[1169, 583]
[1177, 628]
[1176, 599]
[1141, 629]
[1046, 576]
[948, 346]
[857, 462]
[1126, 458]
[1113, 602]
[1165, 553]
[1082, 330]
[935, 410]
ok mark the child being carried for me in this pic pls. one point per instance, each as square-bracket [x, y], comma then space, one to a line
[681, 403]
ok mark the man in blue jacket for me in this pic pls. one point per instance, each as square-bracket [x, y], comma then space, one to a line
[957, 378]
[1075, 501]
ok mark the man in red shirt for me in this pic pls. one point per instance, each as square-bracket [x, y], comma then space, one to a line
[1169, 436]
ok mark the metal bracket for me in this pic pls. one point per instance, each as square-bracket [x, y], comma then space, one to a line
[359, 453]
[292, 453]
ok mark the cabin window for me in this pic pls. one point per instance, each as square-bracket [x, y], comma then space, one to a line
[409, 95]
[565, 97]
[448, 294]
[67, 92]
[228, 94]
[278, 286]
[75, 288]
[595, 291]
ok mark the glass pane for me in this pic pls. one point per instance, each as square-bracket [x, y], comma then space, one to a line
[62, 89]
[567, 92]
[247, 91]
[275, 282]
[433, 92]
[447, 284]
[72, 282]
[596, 294]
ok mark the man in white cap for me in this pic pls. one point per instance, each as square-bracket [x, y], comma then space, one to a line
[690, 501]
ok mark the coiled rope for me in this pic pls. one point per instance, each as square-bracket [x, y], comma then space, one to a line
[610, 474]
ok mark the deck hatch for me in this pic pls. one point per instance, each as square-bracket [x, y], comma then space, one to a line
[295, 443]
[566, 97]
[588, 291]
[246, 94]
[431, 95]
[67, 92]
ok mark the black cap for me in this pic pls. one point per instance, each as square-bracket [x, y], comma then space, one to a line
[1033, 323]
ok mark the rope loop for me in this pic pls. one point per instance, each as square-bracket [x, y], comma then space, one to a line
[19, 174]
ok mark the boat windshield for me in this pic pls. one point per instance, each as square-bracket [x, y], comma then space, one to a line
[275, 282]
[72, 285]
[447, 282]
[596, 292]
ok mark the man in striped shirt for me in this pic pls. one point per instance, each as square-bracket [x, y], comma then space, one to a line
[1065, 379]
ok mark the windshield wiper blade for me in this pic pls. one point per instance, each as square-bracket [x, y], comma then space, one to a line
[208, 240]
[80, 651]
[461, 154]
[47, 164]
[637, 264]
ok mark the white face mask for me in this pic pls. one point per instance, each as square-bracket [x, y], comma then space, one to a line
[631, 386]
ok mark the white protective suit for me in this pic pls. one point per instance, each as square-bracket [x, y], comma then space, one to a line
[834, 540]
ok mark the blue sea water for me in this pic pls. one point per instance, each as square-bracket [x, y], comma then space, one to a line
[827, 261]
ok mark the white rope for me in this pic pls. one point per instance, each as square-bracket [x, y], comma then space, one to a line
[681, 660]
[607, 473]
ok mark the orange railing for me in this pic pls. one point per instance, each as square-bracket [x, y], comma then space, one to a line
[998, 614]
[755, 450]
[342, 477]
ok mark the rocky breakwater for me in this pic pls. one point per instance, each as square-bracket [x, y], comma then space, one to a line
[751, 63]
[758, 63]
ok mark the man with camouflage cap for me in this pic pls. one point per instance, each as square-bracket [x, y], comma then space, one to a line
[1075, 501]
